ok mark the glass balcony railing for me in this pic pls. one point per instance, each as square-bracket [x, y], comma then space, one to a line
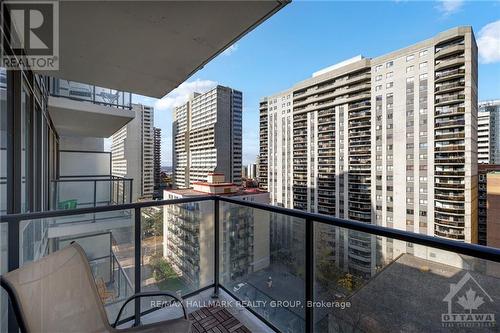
[290, 270]
[82, 192]
[90, 93]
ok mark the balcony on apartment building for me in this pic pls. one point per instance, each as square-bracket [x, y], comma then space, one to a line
[203, 245]
[79, 109]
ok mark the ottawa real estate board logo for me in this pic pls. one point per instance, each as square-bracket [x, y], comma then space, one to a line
[31, 35]
[466, 300]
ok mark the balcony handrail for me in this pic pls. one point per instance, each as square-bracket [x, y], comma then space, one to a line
[90, 179]
[479, 251]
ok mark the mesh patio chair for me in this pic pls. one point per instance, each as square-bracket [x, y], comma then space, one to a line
[58, 294]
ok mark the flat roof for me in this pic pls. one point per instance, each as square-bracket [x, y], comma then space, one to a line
[189, 192]
[408, 295]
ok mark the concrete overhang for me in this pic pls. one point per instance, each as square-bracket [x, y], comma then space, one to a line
[76, 118]
[149, 47]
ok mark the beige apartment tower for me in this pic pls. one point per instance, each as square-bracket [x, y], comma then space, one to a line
[207, 137]
[132, 152]
[389, 141]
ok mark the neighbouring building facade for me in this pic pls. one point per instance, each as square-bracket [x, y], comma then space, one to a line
[157, 155]
[485, 209]
[207, 136]
[132, 152]
[493, 207]
[389, 141]
[488, 132]
[188, 232]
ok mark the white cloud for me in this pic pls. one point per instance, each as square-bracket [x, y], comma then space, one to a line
[181, 94]
[230, 50]
[450, 6]
[488, 43]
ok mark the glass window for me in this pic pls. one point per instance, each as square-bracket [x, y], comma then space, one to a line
[26, 127]
[389, 64]
[410, 57]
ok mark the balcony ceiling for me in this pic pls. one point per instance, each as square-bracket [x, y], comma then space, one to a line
[149, 48]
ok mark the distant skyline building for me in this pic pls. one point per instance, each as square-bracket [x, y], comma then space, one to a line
[157, 155]
[489, 132]
[207, 137]
[132, 152]
[252, 171]
[388, 141]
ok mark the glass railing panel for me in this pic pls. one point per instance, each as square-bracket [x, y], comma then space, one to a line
[262, 262]
[70, 194]
[103, 192]
[4, 259]
[108, 243]
[177, 248]
[89, 192]
[90, 93]
[368, 283]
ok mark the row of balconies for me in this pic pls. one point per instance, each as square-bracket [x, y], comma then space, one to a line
[446, 87]
[449, 74]
[360, 105]
[450, 147]
[447, 62]
[450, 99]
[447, 111]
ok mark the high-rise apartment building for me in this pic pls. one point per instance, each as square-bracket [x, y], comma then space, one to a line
[488, 132]
[132, 152]
[157, 155]
[195, 240]
[207, 137]
[252, 171]
[389, 140]
[264, 144]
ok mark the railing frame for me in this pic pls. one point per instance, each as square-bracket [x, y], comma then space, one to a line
[13, 221]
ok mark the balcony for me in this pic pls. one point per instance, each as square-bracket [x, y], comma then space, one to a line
[265, 283]
[79, 109]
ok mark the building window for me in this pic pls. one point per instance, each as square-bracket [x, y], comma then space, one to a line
[410, 57]
[422, 65]
[389, 85]
[389, 64]
[409, 69]
[423, 53]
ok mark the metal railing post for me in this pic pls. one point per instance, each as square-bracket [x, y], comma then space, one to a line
[130, 197]
[137, 263]
[216, 248]
[95, 193]
[309, 262]
[13, 264]
[123, 191]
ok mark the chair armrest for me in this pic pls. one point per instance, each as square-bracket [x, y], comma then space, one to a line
[150, 294]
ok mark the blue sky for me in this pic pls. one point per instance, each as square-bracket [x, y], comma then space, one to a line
[310, 35]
